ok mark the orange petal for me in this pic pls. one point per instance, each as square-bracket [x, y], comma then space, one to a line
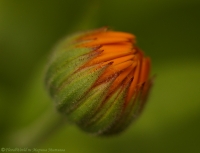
[114, 70]
[133, 85]
[104, 57]
[122, 76]
[117, 47]
[109, 34]
[104, 40]
[145, 68]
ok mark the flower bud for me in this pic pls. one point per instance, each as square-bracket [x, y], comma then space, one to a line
[99, 79]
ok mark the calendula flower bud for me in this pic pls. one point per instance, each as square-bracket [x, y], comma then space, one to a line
[99, 79]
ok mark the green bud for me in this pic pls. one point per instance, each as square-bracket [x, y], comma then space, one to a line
[99, 80]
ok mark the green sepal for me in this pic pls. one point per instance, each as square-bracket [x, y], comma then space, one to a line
[108, 113]
[59, 75]
[66, 58]
[90, 104]
[66, 44]
[129, 114]
[76, 86]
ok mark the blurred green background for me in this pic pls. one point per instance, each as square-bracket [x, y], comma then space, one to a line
[168, 31]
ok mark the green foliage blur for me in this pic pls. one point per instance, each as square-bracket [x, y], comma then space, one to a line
[167, 30]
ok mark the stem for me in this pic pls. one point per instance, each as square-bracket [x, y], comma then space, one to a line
[40, 130]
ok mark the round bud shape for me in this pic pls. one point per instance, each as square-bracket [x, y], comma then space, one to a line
[99, 80]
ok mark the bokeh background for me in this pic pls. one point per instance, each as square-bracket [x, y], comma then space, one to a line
[168, 31]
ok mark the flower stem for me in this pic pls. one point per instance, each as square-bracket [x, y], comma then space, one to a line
[40, 130]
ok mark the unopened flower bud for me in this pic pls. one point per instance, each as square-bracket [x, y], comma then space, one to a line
[99, 79]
